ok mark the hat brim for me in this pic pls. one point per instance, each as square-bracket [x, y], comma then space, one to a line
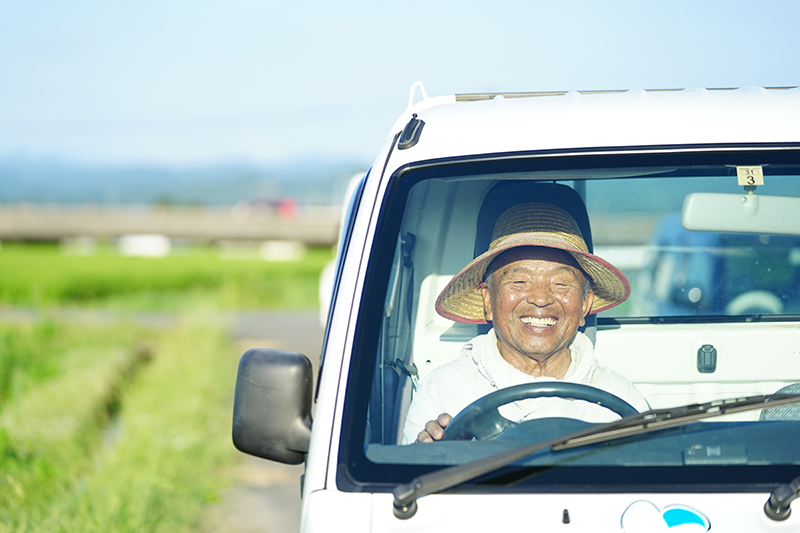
[461, 299]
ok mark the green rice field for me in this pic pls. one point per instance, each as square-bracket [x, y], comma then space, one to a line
[44, 275]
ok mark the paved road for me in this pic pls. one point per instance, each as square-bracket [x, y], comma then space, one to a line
[266, 497]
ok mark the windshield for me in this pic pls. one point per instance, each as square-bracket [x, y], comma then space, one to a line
[712, 315]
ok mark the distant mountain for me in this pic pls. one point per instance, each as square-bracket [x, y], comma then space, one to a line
[60, 181]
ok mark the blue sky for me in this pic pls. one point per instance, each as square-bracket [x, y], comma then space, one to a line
[190, 82]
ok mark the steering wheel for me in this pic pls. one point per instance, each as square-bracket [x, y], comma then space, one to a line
[482, 420]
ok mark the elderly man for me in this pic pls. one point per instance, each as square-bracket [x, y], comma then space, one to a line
[535, 284]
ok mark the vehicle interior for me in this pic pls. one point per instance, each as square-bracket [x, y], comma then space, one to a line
[713, 315]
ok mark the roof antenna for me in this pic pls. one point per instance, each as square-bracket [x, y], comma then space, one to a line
[413, 93]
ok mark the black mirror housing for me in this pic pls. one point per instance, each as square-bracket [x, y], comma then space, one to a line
[272, 405]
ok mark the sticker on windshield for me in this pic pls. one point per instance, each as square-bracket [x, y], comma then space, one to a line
[750, 175]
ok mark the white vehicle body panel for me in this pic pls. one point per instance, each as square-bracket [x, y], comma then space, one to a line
[541, 512]
[344, 310]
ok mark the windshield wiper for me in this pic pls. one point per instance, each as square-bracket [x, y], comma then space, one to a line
[406, 494]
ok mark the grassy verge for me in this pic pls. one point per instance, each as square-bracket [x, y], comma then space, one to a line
[33, 353]
[96, 448]
[63, 384]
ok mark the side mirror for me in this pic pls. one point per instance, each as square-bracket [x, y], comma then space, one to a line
[272, 405]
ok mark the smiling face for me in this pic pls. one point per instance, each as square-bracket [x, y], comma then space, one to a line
[536, 301]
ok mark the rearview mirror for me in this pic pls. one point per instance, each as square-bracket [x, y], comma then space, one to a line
[741, 213]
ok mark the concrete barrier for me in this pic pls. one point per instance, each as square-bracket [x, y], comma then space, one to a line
[313, 226]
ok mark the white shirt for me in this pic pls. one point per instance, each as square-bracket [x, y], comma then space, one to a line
[480, 369]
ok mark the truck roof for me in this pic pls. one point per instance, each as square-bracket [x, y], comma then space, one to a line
[457, 125]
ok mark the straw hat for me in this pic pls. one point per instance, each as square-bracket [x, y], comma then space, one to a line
[531, 224]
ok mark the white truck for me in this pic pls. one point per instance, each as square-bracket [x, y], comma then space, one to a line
[694, 194]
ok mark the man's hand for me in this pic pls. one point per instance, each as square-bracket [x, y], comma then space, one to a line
[434, 429]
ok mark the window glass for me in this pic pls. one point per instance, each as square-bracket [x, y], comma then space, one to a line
[743, 287]
[636, 224]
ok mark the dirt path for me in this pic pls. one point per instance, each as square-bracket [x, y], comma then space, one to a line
[266, 495]
[265, 499]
